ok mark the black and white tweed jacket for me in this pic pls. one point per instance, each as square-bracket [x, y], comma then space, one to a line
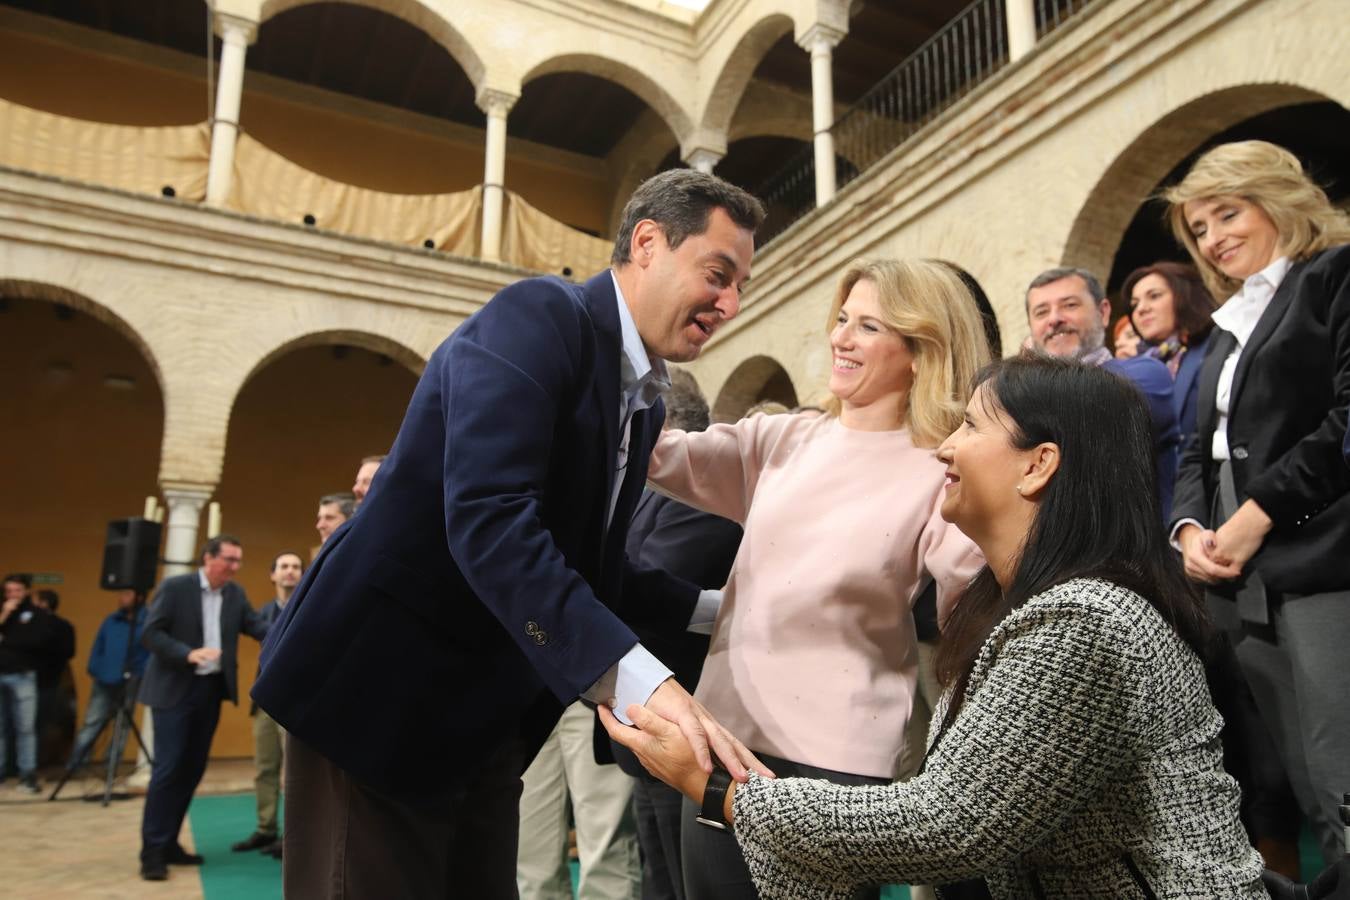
[1087, 745]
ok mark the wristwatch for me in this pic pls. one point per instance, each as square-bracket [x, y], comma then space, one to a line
[713, 813]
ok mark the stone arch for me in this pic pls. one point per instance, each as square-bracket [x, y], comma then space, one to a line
[622, 73]
[734, 75]
[62, 296]
[437, 24]
[400, 353]
[1136, 170]
[755, 379]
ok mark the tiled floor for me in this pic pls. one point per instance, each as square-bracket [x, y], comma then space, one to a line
[71, 849]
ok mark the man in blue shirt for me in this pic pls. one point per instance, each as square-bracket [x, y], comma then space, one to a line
[1068, 313]
[108, 663]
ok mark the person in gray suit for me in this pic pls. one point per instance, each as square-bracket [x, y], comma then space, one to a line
[192, 633]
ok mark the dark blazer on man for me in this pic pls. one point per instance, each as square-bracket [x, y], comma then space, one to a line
[1285, 428]
[173, 629]
[478, 591]
[1155, 383]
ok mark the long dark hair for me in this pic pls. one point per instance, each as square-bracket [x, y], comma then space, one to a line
[1192, 303]
[1099, 517]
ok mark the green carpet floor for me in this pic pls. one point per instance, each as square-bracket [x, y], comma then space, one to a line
[217, 822]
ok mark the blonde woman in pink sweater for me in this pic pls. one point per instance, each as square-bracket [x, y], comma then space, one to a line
[813, 656]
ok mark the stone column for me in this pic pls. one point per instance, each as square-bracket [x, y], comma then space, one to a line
[184, 503]
[1021, 28]
[495, 104]
[236, 34]
[820, 40]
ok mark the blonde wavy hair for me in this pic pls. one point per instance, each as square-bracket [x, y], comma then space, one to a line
[933, 311]
[1273, 179]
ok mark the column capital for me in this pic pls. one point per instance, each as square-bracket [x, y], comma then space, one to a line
[234, 29]
[493, 101]
[820, 37]
[703, 159]
[186, 492]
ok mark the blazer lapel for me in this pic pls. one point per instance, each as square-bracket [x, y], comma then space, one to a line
[194, 611]
[600, 300]
[1265, 326]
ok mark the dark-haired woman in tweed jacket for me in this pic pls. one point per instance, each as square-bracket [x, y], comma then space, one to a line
[1075, 752]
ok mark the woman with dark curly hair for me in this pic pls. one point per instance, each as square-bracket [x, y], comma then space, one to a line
[1170, 310]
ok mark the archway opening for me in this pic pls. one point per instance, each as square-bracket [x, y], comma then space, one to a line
[83, 420]
[756, 380]
[298, 430]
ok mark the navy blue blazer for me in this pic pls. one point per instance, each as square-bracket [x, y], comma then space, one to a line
[478, 589]
[1285, 428]
[1155, 383]
[1185, 399]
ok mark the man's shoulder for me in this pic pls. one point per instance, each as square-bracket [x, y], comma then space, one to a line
[1143, 370]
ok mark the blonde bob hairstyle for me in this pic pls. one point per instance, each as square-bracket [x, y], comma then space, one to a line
[1270, 177]
[926, 303]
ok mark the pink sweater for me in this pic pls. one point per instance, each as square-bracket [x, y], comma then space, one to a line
[813, 655]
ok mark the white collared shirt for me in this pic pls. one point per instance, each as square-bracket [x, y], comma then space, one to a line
[211, 602]
[1239, 317]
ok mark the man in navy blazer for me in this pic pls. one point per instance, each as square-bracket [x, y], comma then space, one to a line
[192, 632]
[437, 636]
[1068, 312]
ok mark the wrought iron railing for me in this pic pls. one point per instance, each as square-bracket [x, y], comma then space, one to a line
[957, 58]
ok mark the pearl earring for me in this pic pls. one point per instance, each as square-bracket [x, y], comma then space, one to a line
[1019, 489]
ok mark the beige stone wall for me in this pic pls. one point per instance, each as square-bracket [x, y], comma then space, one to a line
[1043, 165]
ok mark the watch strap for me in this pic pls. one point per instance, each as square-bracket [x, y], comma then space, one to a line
[713, 811]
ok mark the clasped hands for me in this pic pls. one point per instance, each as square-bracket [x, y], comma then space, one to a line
[672, 735]
[1214, 556]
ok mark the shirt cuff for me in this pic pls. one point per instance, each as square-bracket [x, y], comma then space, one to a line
[1172, 538]
[705, 612]
[633, 679]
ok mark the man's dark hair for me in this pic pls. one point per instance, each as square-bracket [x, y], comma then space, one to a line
[680, 201]
[1104, 432]
[20, 578]
[276, 559]
[1050, 276]
[50, 598]
[345, 500]
[213, 545]
[686, 408]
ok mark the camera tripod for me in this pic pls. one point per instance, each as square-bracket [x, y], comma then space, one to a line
[120, 719]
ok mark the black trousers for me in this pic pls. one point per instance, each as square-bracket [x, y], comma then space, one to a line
[183, 735]
[657, 808]
[714, 868]
[346, 840]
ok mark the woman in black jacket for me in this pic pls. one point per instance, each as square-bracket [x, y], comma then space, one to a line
[1262, 506]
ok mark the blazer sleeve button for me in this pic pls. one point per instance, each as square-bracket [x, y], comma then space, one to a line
[531, 628]
[541, 637]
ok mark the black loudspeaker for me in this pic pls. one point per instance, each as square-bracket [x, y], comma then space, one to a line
[130, 555]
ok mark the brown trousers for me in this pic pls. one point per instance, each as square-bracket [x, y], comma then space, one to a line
[345, 841]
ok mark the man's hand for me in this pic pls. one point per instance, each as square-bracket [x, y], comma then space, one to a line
[1197, 553]
[661, 749]
[9, 606]
[674, 704]
[202, 655]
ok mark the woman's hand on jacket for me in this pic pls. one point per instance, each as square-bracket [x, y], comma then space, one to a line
[1198, 554]
[1238, 539]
